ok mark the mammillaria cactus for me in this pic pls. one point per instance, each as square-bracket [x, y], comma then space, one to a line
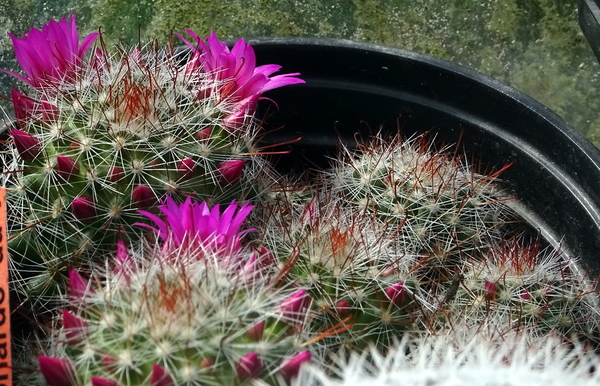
[362, 283]
[196, 310]
[97, 139]
[518, 285]
[512, 360]
[440, 204]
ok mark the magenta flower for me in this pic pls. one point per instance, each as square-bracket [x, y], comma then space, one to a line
[52, 54]
[194, 225]
[243, 81]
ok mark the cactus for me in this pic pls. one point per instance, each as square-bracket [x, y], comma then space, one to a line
[511, 360]
[95, 140]
[518, 285]
[362, 284]
[443, 207]
[198, 309]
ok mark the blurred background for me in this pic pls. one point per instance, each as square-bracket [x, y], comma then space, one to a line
[535, 46]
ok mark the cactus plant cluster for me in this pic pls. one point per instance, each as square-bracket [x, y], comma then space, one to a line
[394, 264]
[97, 139]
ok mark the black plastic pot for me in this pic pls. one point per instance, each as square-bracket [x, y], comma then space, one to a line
[589, 21]
[353, 87]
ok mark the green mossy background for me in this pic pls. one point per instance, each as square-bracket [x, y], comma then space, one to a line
[535, 46]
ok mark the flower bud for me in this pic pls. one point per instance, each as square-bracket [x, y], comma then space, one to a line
[256, 332]
[143, 196]
[396, 293]
[27, 145]
[78, 288]
[57, 372]
[160, 377]
[66, 166]
[490, 291]
[293, 309]
[97, 381]
[186, 167]
[75, 328]
[291, 366]
[204, 134]
[115, 174]
[23, 107]
[342, 308]
[83, 208]
[231, 170]
[249, 366]
[206, 363]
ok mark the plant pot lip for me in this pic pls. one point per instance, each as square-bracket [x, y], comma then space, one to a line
[365, 48]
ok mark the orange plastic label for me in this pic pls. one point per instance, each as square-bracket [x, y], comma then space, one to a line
[5, 354]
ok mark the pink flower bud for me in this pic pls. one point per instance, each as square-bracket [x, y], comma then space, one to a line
[143, 196]
[342, 308]
[186, 167]
[57, 372]
[525, 295]
[206, 363]
[78, 288]
[97, 381]
[160, 377]
[256, 332]
[83, 208]
[66, 166]
[204, 134]
[291, 366]
[231, 170]
[27, 145]
[490, 291]
[75, 328]
[109, 363]
[115, 174]
[124, 263]
[23, 107]
[396, 293]
[49, 111]
[249, 366]
[293, 309]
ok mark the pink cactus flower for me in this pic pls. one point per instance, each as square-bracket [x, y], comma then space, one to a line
[194, 225]
[52, 54]
[244, 83]
[490, 290]
[57, 372]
